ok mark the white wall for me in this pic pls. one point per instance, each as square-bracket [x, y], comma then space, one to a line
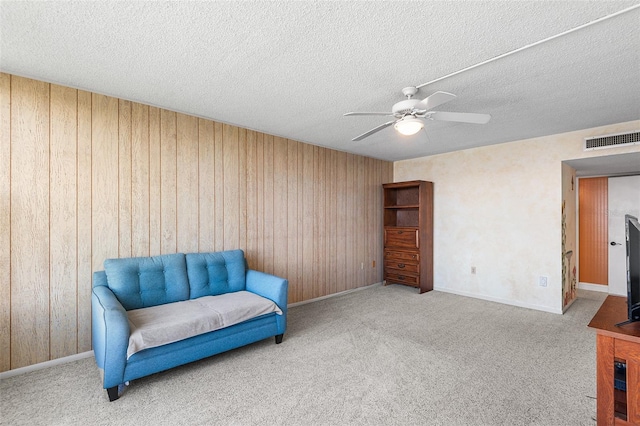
[499, 208]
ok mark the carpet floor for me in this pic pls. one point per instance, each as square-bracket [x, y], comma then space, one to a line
[378, 356]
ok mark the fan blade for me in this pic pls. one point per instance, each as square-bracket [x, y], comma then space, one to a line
[463, 117]
[374, 130]
[434, 100]
[368, 113]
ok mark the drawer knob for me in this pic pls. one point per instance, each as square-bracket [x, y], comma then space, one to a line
[400, 232]
[400, 265]
[401, 277]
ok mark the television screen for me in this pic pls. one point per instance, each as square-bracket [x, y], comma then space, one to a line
[633, 266]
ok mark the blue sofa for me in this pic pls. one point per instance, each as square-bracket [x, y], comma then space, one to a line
[130, 286]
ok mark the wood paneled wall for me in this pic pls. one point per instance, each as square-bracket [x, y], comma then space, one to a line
[593, 220]
[87, 177]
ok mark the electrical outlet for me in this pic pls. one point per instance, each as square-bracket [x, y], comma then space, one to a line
[362, 265]
[473, 269]
[542, 281]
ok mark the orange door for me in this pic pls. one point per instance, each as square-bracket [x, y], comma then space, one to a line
[593, 227]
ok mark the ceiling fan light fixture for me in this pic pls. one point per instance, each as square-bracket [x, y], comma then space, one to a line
[409, 126]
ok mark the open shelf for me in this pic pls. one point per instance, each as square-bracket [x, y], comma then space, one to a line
[402, 217]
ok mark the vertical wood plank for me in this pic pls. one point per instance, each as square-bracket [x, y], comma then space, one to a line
[5, 220]
[268, 220]
[206, 184]
[242, 189]
[594, 230]
[308, 220]
[331, 218]
[292, 219]
[320, 269]
[168, 190]
[231, 199]
[260, 258]
[187, 184]
[351, 222]
[298, 296]
[218, 187]
[280, 206]
[124, 178]
[251, 200]
[360, 224]
[85, 254]
[155, 183]
[63, 219]
[104, 167]
[341, 222]
[29, 222]
[140, 180]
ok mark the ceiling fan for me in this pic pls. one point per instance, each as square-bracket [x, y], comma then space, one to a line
[410, 114]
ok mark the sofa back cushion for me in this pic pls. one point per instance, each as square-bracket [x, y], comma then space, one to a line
[140, 282]
[211, 274]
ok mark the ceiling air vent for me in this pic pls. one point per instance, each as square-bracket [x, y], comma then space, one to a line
[612, 141]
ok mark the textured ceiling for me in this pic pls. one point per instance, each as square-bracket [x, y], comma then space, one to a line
[293, 69]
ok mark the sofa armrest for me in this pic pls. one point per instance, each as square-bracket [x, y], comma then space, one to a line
[110, 332]
[273, 288]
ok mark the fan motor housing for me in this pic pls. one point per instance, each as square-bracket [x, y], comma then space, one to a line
[405, 107]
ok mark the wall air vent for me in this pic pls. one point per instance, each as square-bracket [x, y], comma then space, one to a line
[612, 141]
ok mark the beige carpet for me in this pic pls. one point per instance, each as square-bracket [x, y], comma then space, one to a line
[379, 356]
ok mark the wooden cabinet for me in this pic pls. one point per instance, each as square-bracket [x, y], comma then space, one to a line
[617, 364]
[408, 234]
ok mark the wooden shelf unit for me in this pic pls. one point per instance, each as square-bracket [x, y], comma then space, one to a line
[616, 344]
[408, 234]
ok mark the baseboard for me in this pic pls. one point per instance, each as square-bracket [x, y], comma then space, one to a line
[328, 296]
[499, 300]
[46, 364]
[594, 287]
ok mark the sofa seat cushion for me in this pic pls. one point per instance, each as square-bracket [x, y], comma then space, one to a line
[159, 325]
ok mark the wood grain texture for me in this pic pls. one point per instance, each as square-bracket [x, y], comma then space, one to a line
[5, 221]
[206, 184]
[155, 187]
[84, 255]
[30, 267]
[630, 352]
[102, 177]
[168, 184]
[187, 192]
[231, 207]
[308, 220]
[218, 195]
[140, 180]
[292, 260]
[124, 179]
[593, 206]
[63, 221]
[268, 202]
[104, 188]
[280, 196]
[604, 383]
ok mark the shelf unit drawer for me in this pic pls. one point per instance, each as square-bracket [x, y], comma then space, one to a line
[406, 256]
[401, 266]
[401, 238]
[395, 276]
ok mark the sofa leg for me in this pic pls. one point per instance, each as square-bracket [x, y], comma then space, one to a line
[113, 393]
[279, 338]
